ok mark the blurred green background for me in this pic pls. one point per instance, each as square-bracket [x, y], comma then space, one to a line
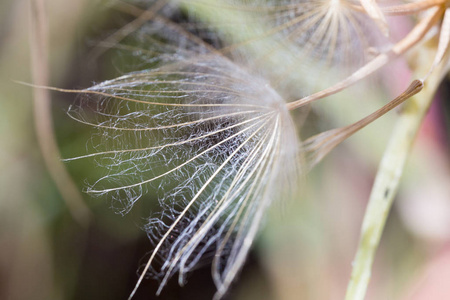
[306, 248]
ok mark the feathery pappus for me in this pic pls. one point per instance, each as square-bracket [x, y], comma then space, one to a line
[204, 121]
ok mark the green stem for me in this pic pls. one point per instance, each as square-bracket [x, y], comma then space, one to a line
[389, 174]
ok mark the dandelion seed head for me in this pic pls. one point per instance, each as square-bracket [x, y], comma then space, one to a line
[315, 43]
[214, 142]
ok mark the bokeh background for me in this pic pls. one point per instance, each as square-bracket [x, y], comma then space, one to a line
[306, 247]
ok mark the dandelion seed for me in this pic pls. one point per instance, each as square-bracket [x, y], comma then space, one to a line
[221, 137]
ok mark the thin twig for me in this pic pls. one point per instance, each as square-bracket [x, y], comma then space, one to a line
[43, 117]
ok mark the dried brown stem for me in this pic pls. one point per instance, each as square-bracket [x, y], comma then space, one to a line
[43, 117]
[320, 145]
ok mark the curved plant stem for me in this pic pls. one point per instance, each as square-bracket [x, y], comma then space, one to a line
[391, 169]
[43, 117]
